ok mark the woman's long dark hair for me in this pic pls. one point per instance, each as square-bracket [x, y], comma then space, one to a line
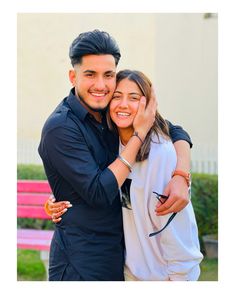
[160, 126]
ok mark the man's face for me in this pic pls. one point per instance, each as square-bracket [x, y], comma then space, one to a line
[95, 79]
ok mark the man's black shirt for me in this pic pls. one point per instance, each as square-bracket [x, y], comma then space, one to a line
[76, 151]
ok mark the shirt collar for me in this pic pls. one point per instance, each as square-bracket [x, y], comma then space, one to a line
[78, 109]
[76, 105]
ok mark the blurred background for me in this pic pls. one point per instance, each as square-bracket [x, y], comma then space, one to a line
[177, 51]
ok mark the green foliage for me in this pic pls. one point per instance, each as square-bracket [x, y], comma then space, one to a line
[205, 203]
[38, 224]
[30, 172]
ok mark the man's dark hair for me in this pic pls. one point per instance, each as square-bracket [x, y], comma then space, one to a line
[93, 42]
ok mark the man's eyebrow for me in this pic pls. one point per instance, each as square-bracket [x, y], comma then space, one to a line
[89, 71]
[93, 71]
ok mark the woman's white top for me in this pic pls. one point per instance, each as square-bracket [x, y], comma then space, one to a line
[174, 254]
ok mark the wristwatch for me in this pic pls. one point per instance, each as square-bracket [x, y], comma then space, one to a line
[183, 174]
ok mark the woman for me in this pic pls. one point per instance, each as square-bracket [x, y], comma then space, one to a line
[172, 253]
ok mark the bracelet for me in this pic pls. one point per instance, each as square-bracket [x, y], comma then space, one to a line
[123, 160]
[183, 174]
[137, 135]
[48, 212]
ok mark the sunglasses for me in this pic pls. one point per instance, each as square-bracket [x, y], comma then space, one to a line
[162, 199]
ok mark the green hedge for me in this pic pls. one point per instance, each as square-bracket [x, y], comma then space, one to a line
[204, 199]
[205, 202]
[30, 172]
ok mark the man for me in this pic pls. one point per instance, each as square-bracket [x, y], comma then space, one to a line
[79, 154]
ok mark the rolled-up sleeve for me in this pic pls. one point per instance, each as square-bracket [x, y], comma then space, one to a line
[68, 153]
[178, 133]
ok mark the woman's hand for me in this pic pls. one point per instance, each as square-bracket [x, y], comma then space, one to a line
[56, 209]
[145, 116]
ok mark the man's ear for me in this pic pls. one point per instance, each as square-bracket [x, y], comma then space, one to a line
[72, 76]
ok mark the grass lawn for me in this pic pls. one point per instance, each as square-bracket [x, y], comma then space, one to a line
[31, 268]
[209, 270]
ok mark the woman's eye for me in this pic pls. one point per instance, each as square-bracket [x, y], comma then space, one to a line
[135, 98]
[116, 97]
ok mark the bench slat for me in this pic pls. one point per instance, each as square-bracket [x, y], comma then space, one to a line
[34, 239]
[33, 245]
[31, 212]
[36, 234]
[33, 186]
[32, 198]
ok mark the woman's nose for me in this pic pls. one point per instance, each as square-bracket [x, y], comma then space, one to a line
[123, 103]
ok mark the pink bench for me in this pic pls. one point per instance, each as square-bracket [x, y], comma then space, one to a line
[31, 196]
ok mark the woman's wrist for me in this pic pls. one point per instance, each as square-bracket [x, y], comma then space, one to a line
[140, 137]
[140, 134]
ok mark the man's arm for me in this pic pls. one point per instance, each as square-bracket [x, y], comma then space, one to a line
[177, 133]
[177, 188]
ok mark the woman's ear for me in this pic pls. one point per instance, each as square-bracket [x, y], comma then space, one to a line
[72, 76]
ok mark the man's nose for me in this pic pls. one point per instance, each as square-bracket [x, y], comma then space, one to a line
[100, 84]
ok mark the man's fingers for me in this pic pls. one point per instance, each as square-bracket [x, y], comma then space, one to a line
[56, 217]
[176, 207]
[58, 209]
[56, 220]
[58, 206]
[60, 203]
[58, 214]
[52, 198]
[166, 192]
[171, 205]
[165, 206]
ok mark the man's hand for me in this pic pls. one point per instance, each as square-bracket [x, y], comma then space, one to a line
[145, 116]
[56, 209]
[177, 190]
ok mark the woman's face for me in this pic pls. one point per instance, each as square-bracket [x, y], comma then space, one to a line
[124, 104]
